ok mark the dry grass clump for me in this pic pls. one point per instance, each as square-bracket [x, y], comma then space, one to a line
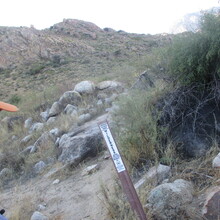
[24, 208]
[139, 138]
[200, 171]
[117, 203]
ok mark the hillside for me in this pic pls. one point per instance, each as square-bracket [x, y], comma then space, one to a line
[32, 59]
[160, 96]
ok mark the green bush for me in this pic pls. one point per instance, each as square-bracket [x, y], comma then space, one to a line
[194, 57]
[15, 99]
[138, 138]
[36, 68]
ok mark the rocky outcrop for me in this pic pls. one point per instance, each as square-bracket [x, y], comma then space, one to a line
[85, 87]
[79, 144]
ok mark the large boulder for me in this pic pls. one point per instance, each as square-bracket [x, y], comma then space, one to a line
[55, 109]
[85, 141]
[169, 200]
[85, 87]
[69, 97]
[110, 86]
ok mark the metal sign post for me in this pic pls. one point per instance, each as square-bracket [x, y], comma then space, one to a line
[124, 177]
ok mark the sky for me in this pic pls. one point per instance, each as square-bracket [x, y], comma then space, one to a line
[134, 16]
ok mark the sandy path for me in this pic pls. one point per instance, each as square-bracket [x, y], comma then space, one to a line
[77, 197]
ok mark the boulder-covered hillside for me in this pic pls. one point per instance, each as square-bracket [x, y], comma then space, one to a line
[160, 96]
[72, 49]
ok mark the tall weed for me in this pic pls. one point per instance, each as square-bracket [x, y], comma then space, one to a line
[136, 125]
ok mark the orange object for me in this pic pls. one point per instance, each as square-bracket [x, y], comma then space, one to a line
[8, 107]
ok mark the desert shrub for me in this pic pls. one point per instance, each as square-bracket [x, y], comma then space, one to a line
[24, 208]
[138, 139]
[35, 69]
[13, 161]
[194, 57]
[15, 99]
[117, 203]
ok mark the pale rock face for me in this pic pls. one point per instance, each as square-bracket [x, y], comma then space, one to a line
[85, 87]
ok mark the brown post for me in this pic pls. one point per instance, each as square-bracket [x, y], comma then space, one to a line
[120, 167]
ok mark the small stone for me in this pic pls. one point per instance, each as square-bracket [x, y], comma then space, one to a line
[90, 169]
[28, 123]
[216, 161]
[106, 156]
[26, 139]
[41, 207]
[38, 216]
[57, 181]
[44, 115]
[39, 167]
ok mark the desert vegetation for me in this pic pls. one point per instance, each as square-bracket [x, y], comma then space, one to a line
[173, 119]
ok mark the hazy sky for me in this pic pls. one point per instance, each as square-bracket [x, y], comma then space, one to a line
[137, 16]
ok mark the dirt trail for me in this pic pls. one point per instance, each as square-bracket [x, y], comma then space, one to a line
[77, 197]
